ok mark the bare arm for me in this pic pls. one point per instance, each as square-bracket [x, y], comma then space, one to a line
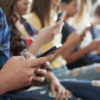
[3, 84]
[71, 43]
[77, 55]
[45, 35]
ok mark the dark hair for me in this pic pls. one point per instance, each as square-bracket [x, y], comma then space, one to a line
[66, 1]
[97, 10]
[42, 9]
[16, 45]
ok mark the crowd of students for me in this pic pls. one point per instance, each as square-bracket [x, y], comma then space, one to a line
[29, 29]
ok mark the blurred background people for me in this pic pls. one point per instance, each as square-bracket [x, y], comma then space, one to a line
[79, 56]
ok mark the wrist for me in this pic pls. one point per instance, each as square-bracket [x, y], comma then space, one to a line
[39, 40]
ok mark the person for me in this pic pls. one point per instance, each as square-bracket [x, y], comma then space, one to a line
[18, 73]
[58, 64]
[52, 84]
[78, 57]
[50, 77]
[95, 21]
[29, 32]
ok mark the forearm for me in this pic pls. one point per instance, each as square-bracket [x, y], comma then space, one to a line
[66, 49]
[35, 47]
[77, 55]
[51, 77]
[3, 84]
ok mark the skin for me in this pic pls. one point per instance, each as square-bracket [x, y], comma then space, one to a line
[95, 20]
[21, 9]
[55, 3]
[72, 9]
[20, 72]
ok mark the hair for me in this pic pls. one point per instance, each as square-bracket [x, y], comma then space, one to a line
[16, 45]
[66, 1]
[97, 10]
[42, 9]
[83, 4]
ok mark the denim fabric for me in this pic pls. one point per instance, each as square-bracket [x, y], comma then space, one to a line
[90, 72]
[4, 39]
[86, 90]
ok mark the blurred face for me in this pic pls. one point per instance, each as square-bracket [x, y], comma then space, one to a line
[71, 8]
[22, 6]
[55, 3]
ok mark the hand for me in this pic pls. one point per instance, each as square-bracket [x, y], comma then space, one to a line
[95, 45]
[76, 38]
[18, 72]
[59, 90]
[47, 34]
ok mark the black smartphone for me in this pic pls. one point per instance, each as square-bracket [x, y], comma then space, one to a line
[61, 15]
[50, 51]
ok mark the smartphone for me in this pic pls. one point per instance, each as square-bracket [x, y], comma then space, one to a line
[50, 51]
[61, 15]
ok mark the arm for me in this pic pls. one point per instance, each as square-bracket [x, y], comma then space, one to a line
[56, 88]
[46, 34]
[3, 84]
[71, 43]
[95, 45]
[77, 55]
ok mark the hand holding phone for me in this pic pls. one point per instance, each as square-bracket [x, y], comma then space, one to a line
[61, 16]
[50, 51]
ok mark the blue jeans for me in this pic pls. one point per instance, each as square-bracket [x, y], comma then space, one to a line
[90, 72]
[86, 90]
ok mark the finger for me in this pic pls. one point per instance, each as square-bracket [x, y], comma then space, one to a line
[41, 72]
[62, 95]
[58, 24]
[68, 94]
[84, 31]
[38, 78]
[38, 61]
[58, 94]
[46, 65]
[52, 90]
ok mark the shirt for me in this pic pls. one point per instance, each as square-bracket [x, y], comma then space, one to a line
[95, 32]
[4, 39]
[66, 31]
[35, 21]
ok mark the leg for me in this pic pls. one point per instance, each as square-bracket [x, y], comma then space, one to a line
[91, 72]
[87, 90]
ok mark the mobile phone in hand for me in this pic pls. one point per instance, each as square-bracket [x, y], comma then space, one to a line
[61, 15]
[50, 51]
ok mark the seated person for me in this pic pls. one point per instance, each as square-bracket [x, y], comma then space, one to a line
[79, 56]
[58, 64]
[21, 61]
[95, 21]
[18, 71]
